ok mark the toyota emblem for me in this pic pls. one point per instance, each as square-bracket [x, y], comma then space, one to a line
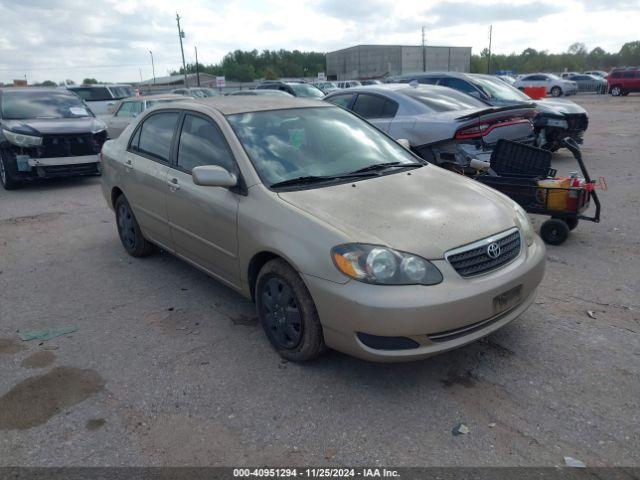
[493, 250]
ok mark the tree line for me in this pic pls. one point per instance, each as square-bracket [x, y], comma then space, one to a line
[246, 66]
[576, 58]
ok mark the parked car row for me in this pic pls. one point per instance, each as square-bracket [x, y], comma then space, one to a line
[554, 120]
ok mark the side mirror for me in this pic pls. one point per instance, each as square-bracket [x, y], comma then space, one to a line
[213, 176]
[404, 142]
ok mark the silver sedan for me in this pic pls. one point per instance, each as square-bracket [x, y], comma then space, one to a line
[442, 125]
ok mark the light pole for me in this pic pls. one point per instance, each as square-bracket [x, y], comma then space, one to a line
[489, 56]
[197, 67]
[153, 68]
[184, 65]
[424, 53]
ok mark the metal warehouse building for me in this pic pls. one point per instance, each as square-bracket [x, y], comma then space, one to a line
[377, 61]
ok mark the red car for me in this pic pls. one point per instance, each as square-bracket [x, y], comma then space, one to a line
[623, 81]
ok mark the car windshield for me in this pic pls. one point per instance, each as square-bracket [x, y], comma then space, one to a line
[197, 93]
[210, 92]
[24, 104]
[304, 90]
[319, 141]
[122, 92]
[500, 90]
[440, 99]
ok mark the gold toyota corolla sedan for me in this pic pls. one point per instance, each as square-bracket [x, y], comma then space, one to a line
[341, 236]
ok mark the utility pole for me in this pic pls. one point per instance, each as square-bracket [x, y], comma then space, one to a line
[489, 57]
[153, 68]
[184, 65]
[424, 52]
[197, 67]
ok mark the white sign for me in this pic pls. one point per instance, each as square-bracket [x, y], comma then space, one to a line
[321, 76]
[220, 82]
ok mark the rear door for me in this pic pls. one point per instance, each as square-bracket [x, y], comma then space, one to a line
[377, 109]
[203, 220]
[146, 164]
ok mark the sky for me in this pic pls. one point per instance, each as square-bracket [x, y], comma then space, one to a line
[110, 39]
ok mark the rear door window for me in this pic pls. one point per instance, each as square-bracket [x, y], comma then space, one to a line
[341, 100]
[155, 135]
[458, 84]
[374, 106]
[202, 143]
[92, 94]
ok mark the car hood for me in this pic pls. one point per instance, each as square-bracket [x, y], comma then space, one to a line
[50, 126]
[426, 213]
[550, 106]
[560, 105]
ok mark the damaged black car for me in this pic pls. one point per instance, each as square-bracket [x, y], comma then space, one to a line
[555, 119]
[47, 133]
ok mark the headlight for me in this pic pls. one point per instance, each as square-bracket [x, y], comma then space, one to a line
[21, 140]
[98, 127]
[554, 122]
[525, 225]
[383, 266]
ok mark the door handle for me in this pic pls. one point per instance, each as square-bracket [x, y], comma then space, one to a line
[173, 184]
[128, 164]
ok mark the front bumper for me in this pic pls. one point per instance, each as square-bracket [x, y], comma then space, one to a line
[435, 318]
[29, 167]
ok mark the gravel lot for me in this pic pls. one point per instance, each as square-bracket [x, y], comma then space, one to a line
[168, 367]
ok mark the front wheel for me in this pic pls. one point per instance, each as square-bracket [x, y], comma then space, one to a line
[129, 231]
[556, 92]
[8, 170]
[616, 91]
[554, 231]
[287, 313]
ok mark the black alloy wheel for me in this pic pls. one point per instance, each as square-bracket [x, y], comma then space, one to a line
[283, 319]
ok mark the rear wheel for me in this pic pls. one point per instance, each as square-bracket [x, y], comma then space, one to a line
[129, 231]
[554, 231]
[8, 170]
[287, 313]
[556, 92]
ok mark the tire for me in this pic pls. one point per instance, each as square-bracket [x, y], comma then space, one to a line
[554, 231]
[129, 231]
[287, 313]
[615, 91]
[556, 92]
[8, 171]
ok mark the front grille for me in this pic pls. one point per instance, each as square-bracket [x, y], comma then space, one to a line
[77, 169]
[578, 121]
[474, 259]
[54, 146]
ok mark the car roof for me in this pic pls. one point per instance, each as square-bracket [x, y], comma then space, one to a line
[389, 87]
[232, 104]
[36, 89]
[159, 96]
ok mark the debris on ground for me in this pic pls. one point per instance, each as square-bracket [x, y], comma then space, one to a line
[574, 462]
[460, 429]
[591, 314]
[330, 453]
[47, 333]
[491, 425]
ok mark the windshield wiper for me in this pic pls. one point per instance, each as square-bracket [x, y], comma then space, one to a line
[384, 166]
[309, 179]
